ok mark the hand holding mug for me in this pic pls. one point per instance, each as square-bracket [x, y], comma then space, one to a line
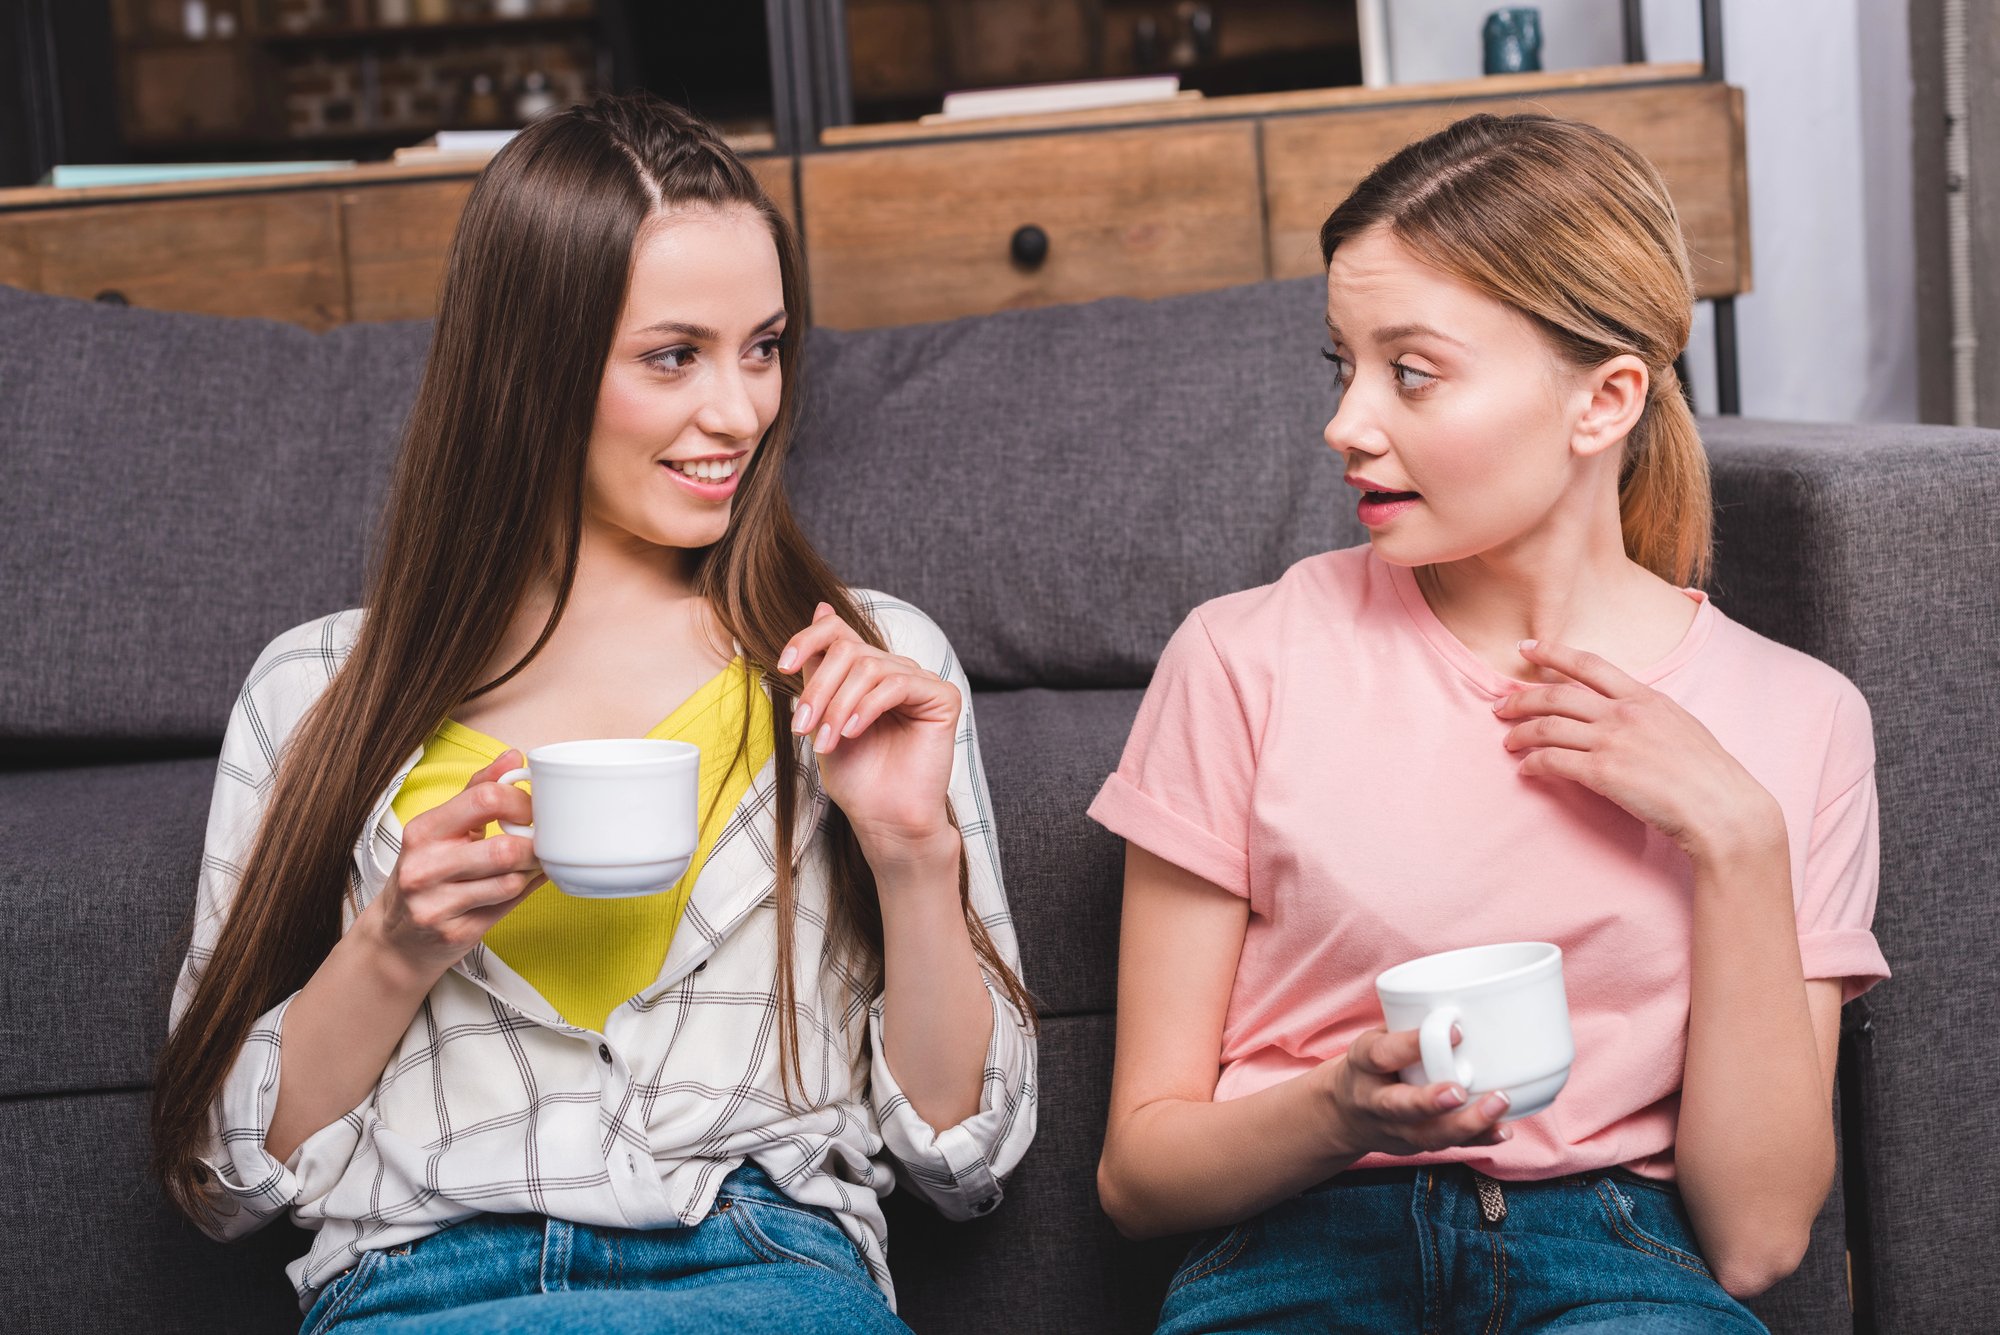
[1378, 1113]
[451, 883]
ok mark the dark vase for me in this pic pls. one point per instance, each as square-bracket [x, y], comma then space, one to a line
[1513, 40]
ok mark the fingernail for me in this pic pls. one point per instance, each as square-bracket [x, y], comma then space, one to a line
[802, 718]
[1506, 1133]
[824, 740]
[852, 726]
[1527, 645]
[1450, 1098]
[787, 658]
[1496, 1103]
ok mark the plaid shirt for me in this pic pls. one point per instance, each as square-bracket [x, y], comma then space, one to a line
[493, 1102]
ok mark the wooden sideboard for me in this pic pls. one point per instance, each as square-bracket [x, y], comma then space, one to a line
[906, 222]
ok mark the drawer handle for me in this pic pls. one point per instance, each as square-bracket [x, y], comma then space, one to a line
[1029, 247]
[111, 296]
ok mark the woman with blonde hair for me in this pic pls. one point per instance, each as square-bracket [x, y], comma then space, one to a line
[1511, 716]
[503, 1108]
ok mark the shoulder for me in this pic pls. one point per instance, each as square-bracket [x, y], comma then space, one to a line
[1795, 696]
[1323, 589]
[297, 665]
[906, 629]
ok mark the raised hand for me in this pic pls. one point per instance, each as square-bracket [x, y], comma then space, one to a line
[1639, 748]
[883, 728]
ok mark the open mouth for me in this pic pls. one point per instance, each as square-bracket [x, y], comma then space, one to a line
[1379, 507]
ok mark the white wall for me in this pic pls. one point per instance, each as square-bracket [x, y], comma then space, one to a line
[1434, 40]
[1829, 331]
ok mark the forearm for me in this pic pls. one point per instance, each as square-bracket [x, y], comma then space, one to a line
[1754, 1149]
[1176, 1165]
[937, 1019]
[339, 1033]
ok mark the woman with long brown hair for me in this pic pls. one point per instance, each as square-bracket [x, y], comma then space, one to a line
[501, 1107]
[1510, 717]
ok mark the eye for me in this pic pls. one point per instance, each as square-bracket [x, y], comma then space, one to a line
[670, 359]
[1409, 378]
[1343, 369]
[767, 349]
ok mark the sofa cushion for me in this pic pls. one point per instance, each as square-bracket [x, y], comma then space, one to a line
[180, 489]
[92, 1245]
[96, 893]
[1060, 487]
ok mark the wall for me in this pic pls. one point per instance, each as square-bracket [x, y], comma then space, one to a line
[1829, 333]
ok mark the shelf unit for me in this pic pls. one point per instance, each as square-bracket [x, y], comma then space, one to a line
[278, 78]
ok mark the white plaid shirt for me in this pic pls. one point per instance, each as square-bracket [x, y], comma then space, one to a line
[493, 1102]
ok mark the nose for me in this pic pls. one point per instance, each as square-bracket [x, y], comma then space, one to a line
[729, 411]
[1356, 426]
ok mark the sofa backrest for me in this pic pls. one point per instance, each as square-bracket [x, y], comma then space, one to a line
[180, 488]
[1057, 487]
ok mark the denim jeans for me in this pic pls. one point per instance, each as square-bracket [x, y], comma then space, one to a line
[1414, 1252]
[759, 1264]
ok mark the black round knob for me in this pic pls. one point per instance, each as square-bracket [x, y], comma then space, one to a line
[1029, 247]
[111, 296]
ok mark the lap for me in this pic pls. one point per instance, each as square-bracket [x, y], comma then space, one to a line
[758, 1264]
[1607, 1251]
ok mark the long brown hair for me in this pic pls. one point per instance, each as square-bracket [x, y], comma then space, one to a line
[1571, 227]
[492, 468]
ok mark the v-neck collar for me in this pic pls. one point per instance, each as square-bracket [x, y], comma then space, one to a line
[703, 698]
[1495, 683]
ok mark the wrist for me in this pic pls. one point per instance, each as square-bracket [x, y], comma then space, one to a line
[1752, 832]
[913, 857]
[1337, 1142]
[388, 969]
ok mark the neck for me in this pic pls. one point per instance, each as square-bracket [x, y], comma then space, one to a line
[1567, 581]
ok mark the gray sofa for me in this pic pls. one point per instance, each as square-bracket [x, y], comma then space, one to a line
[1057, 488]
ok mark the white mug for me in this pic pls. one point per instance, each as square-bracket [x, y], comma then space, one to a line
[1512, 1017]
[614, 819]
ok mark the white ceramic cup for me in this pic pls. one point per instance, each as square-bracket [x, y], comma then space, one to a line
[1512, 1017]
[614, 819]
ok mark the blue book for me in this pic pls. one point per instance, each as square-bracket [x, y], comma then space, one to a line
[155, 173]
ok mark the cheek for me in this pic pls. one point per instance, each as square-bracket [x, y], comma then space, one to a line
[1495, 455]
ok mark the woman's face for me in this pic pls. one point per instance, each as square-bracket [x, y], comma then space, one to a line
[1461, 426]
[692, 381]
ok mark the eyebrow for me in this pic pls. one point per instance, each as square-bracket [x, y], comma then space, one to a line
[701, 332]
[1392, 332]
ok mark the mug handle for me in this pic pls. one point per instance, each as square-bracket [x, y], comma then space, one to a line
[1434, 1042]
[524, 831]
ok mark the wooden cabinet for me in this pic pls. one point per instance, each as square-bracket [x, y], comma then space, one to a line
[925, 232]
[1692, 132]
[908, 223]
[276, 255]
[320, 250]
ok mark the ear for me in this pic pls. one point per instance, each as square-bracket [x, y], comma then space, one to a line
[1618, 390]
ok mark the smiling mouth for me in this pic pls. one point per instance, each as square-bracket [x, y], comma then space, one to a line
[704, 470]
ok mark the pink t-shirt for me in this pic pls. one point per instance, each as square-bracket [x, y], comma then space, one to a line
[1324, 747]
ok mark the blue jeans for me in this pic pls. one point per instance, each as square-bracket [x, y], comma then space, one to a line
[759, 1264]
[1412, 1251]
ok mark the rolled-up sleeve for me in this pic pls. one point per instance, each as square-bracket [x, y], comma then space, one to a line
[961, 1169]
[249, 1188]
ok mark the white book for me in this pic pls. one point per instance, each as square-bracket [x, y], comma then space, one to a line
[1036, 99]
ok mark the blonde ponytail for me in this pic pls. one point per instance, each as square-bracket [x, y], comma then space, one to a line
[1663, 492]
[1571, 227]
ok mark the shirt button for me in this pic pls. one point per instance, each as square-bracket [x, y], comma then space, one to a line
[604, 1051]
[699, 967]
[986, 1205]
[631, 1164]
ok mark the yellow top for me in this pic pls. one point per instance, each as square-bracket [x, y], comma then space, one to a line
[587, 957]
